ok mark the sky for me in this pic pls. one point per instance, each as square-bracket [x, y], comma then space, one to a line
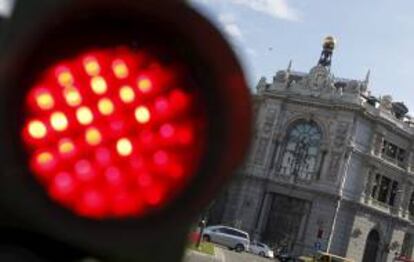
[376, 35]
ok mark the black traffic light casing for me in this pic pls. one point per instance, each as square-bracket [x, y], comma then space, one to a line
[44, 31]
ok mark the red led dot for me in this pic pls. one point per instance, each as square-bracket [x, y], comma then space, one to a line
[104, 132]
[113, 176]
[125, 204]
[120, 69]
[144, 179]
[167, 130]
[161, 105]
[59, 121]
[160, 158]
[84, 171]
[92, 204]
[44, 99]
[91, 66]
[146, 137]
[179, 100]
[186, 136]
[63, 187]
[137, 162]
[155, 195]
[144, 84]
[64, 76]
[124, 147]
[45, 161]
[142, 114]
[176, 171]
[103, 156]
[37, 129]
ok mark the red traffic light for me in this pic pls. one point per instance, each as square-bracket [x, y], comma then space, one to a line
[114, 132]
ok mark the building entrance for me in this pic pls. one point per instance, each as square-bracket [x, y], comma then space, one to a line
[286, 221]
[371, 247]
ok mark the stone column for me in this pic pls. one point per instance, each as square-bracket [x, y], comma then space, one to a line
[398, 201]
[410, 160]
[376, 143]
[409, 189]
[273, 156]
[369, 185]
[264, 212]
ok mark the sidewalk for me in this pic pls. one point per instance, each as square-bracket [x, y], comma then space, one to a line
[194, 256]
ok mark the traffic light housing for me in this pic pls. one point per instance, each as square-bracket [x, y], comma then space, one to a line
[46, 36]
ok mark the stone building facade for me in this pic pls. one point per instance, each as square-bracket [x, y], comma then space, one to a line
[330, 167]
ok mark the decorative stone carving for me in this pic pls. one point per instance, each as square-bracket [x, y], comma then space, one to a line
[270, 118]
[261, 149]
[262, 84]
[281, 76]
[334, 166]
[356, 233]
[267, 128]
[386, 102]
[369, 183]
[319, 78]
[353, 87]
[365, 83]
[270, 114]
[341, 134]
[376, 144]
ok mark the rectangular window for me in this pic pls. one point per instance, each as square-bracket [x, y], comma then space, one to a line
[401, 155]
[383, 190]
[411, 205]
[392, 152]
[384, 146]
[375, 186]
[394, 192]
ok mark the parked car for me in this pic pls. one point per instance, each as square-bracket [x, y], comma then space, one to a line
[284, 255]
[227, 236]
[261, 249]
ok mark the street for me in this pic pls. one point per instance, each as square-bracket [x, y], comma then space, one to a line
[231, 256]
[224, 255]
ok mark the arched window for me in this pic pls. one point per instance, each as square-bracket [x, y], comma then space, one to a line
[299, 158]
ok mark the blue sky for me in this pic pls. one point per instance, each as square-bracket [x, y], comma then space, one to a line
[371, 34]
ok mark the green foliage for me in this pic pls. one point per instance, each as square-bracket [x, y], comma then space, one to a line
[205, 247]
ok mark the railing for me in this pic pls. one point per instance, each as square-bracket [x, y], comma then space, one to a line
[301, 176]
[392, 160]
[384, 206]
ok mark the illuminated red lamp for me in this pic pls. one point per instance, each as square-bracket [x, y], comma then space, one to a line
[108, 137]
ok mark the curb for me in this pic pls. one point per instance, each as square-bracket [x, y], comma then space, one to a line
[218, 255]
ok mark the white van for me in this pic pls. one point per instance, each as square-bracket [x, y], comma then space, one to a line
[227, 236]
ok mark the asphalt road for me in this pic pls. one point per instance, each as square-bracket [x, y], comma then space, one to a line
[231, 256]
[192, 256]
[224, 255]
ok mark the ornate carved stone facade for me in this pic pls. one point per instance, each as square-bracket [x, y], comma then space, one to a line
[324, 145]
